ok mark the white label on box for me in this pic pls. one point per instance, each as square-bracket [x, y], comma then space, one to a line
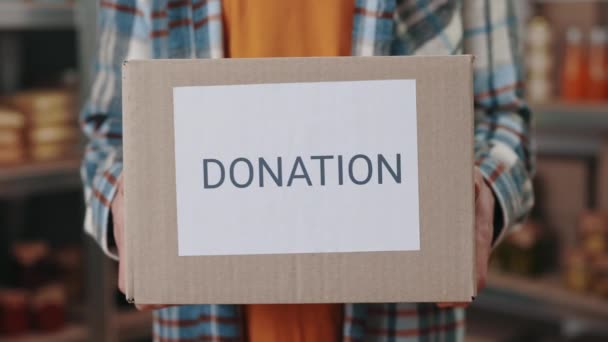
[316, 167]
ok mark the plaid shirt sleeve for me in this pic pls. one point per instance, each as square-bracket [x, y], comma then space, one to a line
[123, 34]
[502, 129]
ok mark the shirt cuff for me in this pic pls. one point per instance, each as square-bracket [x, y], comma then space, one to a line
[97, 219]
[512, 190]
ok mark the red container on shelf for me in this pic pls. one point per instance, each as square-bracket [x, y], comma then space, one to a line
[33, 266]
[13, 312]
[48, 308]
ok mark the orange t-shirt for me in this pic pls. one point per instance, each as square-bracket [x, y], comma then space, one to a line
[289, 28]
[293, 322]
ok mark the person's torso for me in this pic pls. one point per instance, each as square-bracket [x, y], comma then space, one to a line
[278, 28]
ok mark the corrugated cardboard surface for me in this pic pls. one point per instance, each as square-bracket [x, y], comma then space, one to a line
[443, 269]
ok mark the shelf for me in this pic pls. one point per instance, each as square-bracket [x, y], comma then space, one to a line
[130, 325]
[20, 15]
[587, 118]
[569, 129]
[70, 333]
[41, 169]
[133, 325]
[544, 297]
[39, 177]
[568, 1]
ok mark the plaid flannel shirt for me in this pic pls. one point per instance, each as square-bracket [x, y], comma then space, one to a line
[139, 29]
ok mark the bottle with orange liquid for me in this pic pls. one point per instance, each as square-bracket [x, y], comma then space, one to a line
[597, 84]
[574, 75]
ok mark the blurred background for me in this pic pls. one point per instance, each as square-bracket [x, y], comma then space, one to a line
[548, 282]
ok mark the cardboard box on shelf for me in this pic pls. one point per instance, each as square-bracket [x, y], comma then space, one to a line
[299, 180]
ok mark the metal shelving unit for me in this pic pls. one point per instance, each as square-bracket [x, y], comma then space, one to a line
[588, 118]
[73, 332]
[130, 325]
[20, 15]
[568, 1]
[40, 177]
[564, 130]
[102, 321]
[584, 125]
[544, 299]
[571, 130]
[547, 290]
[575, 131]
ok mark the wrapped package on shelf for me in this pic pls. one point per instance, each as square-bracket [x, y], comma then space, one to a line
[47, 152]
[586, 267]
[51, 125]
[48, 307]
[52, 142]
[11, 119]
[52, 116]
[52, 134]
[12, 124]
[12, 156]
[38, 103]
[593, 233]
[528, 251]
[600, 276]
[69, 260]
[10, 137]
[576, 270]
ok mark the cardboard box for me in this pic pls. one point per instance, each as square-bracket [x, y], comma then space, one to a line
[225, 201]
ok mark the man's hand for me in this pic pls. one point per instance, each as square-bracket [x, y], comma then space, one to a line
[118, 220]
[484, 230]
